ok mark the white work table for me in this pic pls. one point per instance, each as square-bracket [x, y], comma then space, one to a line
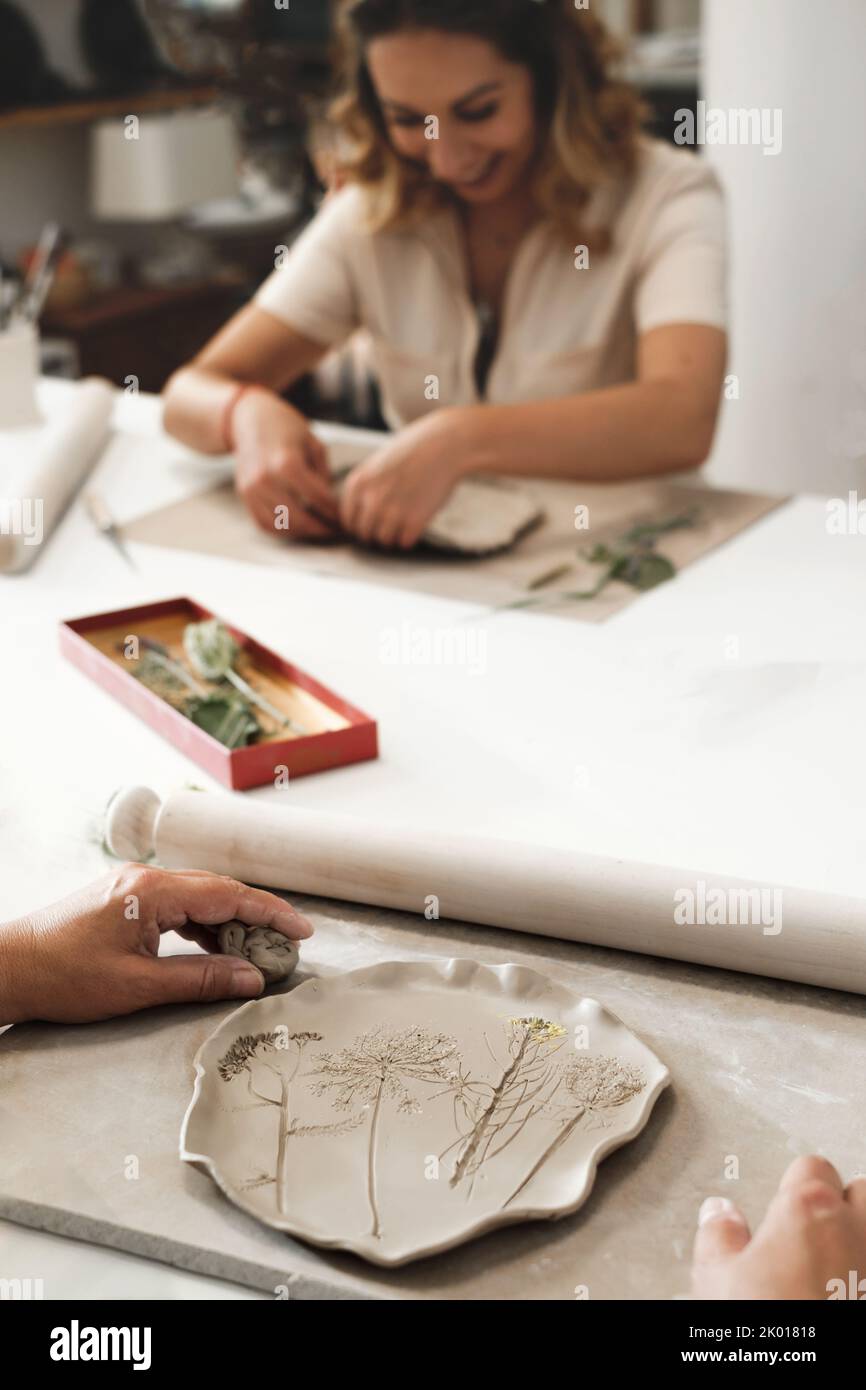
[714, 724]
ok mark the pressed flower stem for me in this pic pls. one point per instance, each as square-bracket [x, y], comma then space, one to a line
[549, 577]
[371, 1162]
[487, 1117]
[283, 1147]
[253, 695]
[286, 1125]
[554, 1144]
[159, 655]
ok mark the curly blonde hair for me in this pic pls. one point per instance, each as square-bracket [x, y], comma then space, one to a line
[590, 122]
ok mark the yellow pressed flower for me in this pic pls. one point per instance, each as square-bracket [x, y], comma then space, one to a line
[541, 1029]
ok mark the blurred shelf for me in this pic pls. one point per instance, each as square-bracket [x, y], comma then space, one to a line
[145, 331]
[685, 76]
[91, 109]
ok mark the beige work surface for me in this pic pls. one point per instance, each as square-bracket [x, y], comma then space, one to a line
[216, 523]
[761, 1072]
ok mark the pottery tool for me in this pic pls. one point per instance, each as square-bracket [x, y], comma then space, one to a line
[709, 919]
[50, 462]
[8, 300]
[97, 509]
[41, 272]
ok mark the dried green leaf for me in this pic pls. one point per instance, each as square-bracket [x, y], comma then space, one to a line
[644, 571]
[651, 530]
[163, 677]
[227, 718]
[211, 649]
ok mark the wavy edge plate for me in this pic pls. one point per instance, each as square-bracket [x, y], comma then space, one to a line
[458, 972]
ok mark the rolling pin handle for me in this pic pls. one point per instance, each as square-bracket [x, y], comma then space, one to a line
[130, 823]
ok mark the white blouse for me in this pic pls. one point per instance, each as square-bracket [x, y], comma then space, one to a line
[566, 327]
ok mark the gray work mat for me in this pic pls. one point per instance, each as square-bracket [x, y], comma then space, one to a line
[216, 523]
[761, 1070]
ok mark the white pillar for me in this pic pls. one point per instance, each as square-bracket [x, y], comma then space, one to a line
[798, 235]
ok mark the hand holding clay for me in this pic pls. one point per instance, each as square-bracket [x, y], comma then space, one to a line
[389, 499]
[281, 463]
[812, 1237]
[96, 954]
[268, 950]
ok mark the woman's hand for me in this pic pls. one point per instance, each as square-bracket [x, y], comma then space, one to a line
[814, 1232]
[95, 955]
[390, 498]
[282, 465]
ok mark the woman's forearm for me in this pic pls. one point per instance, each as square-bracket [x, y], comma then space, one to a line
[195, 404]
[16, 969]
[642, 429]
[254, 348]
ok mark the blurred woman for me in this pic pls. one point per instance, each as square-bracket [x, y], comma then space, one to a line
[544, 286]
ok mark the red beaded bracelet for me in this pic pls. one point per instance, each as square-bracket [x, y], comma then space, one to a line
[229, 414]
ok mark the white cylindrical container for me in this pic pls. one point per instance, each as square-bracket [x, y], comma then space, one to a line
[19, 373]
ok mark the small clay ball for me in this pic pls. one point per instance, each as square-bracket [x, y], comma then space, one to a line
[267, 949]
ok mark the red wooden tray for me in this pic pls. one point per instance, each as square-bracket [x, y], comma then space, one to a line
[238, 768]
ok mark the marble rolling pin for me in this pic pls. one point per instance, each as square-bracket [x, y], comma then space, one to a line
[47, 464]
[785, 933]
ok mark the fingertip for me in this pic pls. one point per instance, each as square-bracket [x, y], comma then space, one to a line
[722, 1232]
[257, 907]
[811, 1168]
[811, 1199]
[719, 1208]
[301, 927]
[324, 511]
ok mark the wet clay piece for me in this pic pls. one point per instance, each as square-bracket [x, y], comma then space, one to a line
[271, 952]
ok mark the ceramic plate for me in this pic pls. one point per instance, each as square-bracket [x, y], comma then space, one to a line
[398, 1110]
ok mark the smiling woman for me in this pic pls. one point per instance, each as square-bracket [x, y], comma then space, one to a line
[543, 286]
[502, 94]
